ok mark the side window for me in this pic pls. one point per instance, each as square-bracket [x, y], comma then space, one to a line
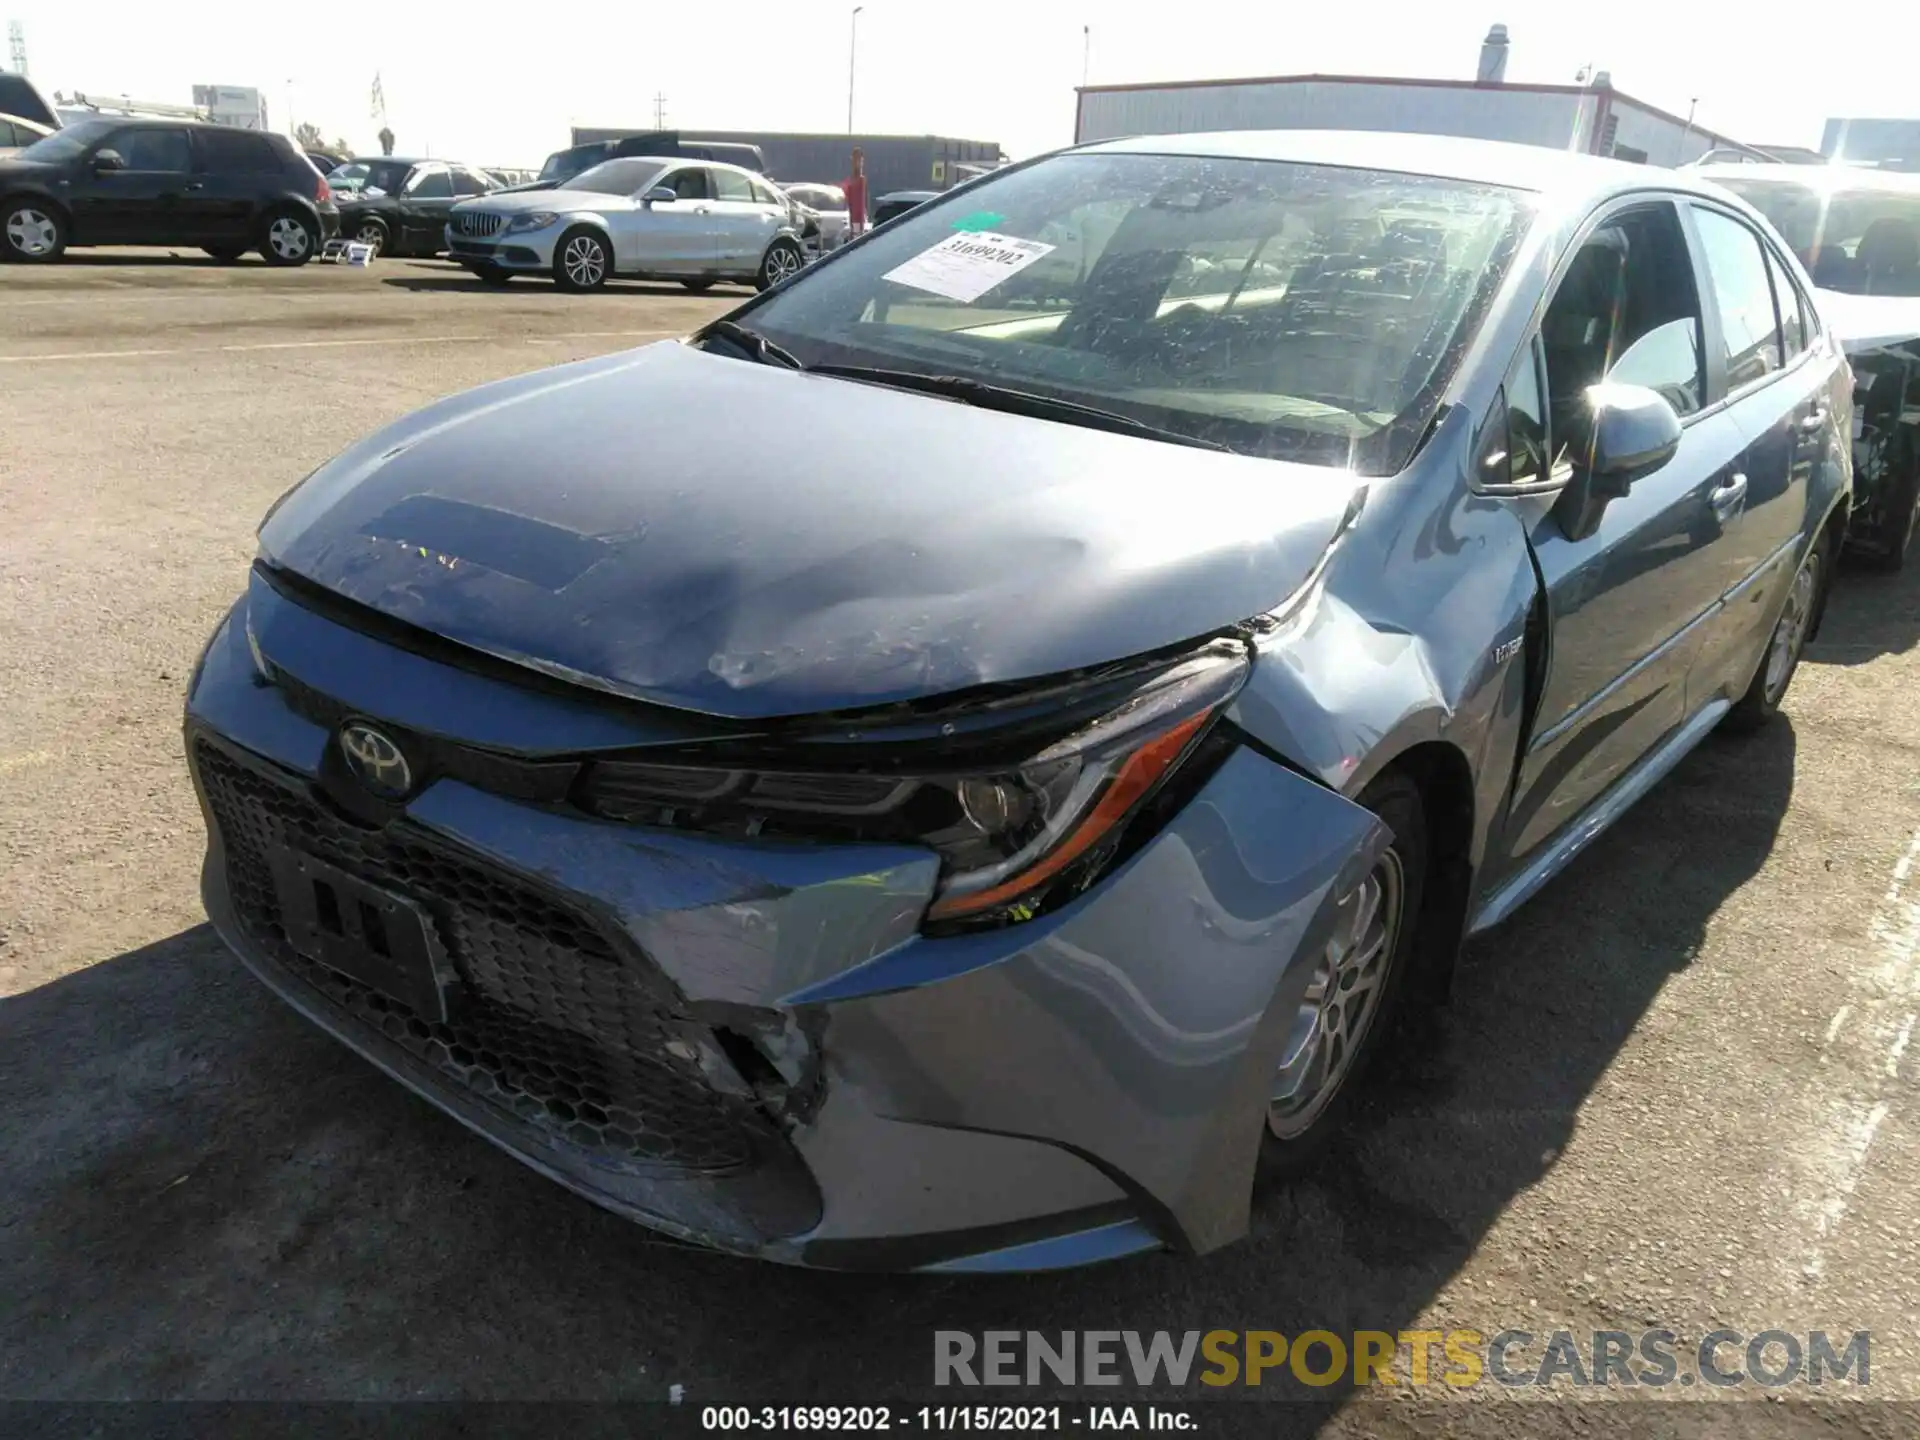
[731, 185]
[1748, 324]
[9, 136]
[431, 185]
[1793, 321]
[161, 150]
[691, 183]
[465, 182]
[235, 152]
[763, 195]
[1626, 310]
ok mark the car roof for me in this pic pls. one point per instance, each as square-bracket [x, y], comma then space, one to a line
[1818, 177]
[1558, 173]
[395, 160]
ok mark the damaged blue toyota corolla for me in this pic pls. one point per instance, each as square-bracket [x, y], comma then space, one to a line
[1224, 571]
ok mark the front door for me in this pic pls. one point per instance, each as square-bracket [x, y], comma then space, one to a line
[143, 202]
[425, 202]
[1630, 590]
[673, 237]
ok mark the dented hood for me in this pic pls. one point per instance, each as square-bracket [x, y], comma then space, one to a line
[742, 540]
[1864, 323]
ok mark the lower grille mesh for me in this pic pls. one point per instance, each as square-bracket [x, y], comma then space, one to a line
[552, 1022]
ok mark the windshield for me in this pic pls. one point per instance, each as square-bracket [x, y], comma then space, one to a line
[68, 143]
[616, 177]
[385, 175]
[1859, 240]
[1286, 310]
[563, 163]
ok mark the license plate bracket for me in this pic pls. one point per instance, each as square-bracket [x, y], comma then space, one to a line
[384, 940]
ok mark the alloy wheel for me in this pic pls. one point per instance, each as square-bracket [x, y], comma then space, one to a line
[1790, 635]
[372, 235]
[584, 261]
[288, 237]
[30, 232]
[781, 262]
[1341, 1000]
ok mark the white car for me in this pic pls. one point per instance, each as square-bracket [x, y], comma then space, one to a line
[828, 205]
[695, 221]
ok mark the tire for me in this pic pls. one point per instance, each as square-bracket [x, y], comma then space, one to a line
[288, 238]
[225, 254]
[582, 261]
[32, 231]
[374, 233]
[1788, 640]
[699, 287]
[1325, 1060]
[782, 260]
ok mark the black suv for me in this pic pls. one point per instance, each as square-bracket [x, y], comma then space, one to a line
[164, 182]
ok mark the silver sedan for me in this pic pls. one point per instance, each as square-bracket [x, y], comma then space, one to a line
[692, 221]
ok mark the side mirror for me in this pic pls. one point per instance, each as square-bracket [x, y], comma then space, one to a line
[1634, 432]
[105, 160]
[660, 195]
[1631, 432]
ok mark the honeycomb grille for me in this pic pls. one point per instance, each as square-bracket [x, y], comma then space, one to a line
[551, 1021]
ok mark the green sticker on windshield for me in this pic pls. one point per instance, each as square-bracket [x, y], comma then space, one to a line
[978, 220]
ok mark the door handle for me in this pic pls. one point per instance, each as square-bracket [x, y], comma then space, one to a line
[1725, 497]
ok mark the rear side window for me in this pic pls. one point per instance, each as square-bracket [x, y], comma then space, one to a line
[1749, 327]
[764, 195]
[434, 185]
[236, 152]
[465, 182]
[1793, 317]
[731, 185]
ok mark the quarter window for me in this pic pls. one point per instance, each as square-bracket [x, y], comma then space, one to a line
[728, 185]
[236, 152]
[1526, 423]
[1749, 326]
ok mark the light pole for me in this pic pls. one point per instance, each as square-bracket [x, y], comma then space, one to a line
[1086, 54]
[853, 40]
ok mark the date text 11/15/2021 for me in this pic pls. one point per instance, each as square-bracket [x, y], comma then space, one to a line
[938, 1418]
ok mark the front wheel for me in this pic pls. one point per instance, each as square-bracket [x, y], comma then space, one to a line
[1769, 685]
[32, 231]
[372, 232]
[1354, 985]
[581, 261]
[290, 239]
[783, 259]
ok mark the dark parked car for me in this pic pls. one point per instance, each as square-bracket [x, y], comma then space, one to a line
[562, 165]
[326, 162]
[400, 206]
[973, 867]
[896, 203]
[164, 182]
[1858, 231]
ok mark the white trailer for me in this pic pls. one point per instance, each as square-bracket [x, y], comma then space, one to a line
[1596, 118]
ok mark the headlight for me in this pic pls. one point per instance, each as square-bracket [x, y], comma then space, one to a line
[537, 220]
[1010, 834]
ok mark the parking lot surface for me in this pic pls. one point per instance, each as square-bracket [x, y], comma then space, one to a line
[1676, 1091]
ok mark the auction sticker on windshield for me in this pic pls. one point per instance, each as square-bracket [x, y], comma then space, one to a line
[966, 266]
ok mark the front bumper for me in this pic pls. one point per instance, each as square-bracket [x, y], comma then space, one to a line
[528, 250]
[750, 1045]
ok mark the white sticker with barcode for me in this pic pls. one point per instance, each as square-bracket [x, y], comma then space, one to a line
[966, 266]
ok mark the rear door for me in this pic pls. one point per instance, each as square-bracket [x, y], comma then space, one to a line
[744, 221]
[1775, 388]
[234, 171]
[142, 203]
[676, 237]
[1631, 584]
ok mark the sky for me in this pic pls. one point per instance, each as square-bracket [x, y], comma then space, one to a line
[503, 91]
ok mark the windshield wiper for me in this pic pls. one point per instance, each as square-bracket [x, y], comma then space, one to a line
[989, 396]
[758, 346]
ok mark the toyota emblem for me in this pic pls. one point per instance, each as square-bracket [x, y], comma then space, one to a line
[376, 760]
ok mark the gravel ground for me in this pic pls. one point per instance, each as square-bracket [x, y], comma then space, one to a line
[1672, 1092]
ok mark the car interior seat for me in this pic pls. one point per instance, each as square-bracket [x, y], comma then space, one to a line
[1888, 258]
[1581, 331]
